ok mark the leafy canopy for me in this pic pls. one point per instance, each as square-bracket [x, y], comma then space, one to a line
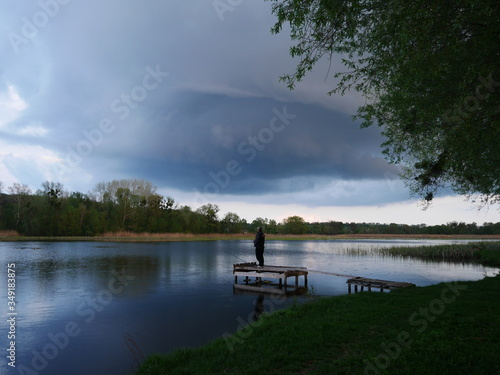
[429, 70]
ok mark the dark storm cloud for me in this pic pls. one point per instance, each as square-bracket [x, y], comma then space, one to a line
[77, 107]
[201, 139]
[217, 109]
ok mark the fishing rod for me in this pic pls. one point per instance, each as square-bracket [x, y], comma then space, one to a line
[310, 271]
[243, 260]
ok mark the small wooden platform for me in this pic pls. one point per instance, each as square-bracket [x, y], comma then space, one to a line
[375, 283]
[282, 273]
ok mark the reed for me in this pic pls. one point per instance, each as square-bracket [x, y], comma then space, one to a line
[8, 233]
[145, 236]
[454, 252]
[123, 235]
[461, 252]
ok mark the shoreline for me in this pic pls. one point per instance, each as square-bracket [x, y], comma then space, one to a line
[448, 327]
[168, 237]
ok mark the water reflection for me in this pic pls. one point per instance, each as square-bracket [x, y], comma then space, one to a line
[269, 289]
[132, 299]
[133, 345]
[259, 307]
[48, 276]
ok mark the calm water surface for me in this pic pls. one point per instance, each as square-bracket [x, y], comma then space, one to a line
[98, 308]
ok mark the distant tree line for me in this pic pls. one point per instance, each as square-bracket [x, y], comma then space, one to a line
[134, 205]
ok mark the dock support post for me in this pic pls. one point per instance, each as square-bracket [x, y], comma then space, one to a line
[249, 270]
[349, 288]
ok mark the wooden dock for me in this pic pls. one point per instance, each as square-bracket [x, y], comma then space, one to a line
[363, 282]
[282, 273]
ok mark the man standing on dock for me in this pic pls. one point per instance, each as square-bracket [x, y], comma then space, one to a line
[260, 238]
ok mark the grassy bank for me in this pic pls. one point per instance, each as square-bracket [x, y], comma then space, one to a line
[449, 328]
[147, 237]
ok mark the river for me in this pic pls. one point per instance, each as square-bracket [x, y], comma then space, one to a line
[101, 307]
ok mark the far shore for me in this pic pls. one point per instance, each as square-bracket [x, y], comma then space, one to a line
[149, 237]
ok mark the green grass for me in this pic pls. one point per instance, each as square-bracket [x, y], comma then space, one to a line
[461, 252]
[449, 328]
[458, 252]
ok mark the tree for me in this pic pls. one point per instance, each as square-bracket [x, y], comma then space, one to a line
[83, 217]
[294, 225]
[231, 223]
[429, 72]
[21, 193]
[53, 191]
[105, 191]
[123, 197]
[333, 227]
[272, 227]
[186, 224]
[156, 205]
[209, 213]
[259, 222]
[49, 202]
[129, 194]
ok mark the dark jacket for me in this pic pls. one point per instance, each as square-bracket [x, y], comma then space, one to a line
[260, 238]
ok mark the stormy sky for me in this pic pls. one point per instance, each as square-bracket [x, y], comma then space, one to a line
[186, 94]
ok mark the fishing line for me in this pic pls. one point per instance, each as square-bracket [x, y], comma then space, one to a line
[243, 260]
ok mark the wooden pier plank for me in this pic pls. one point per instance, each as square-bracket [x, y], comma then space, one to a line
[274, 272]
[268, 268]
[261, 274]
[375, 283]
